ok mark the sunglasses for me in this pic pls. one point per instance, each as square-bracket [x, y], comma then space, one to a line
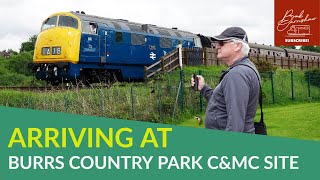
[222, 43]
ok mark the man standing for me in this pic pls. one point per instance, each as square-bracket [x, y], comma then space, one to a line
[233, 103]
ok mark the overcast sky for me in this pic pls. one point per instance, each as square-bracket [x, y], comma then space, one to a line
[21, 19]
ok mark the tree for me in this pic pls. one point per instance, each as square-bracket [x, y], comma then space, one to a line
[11, 51]
[29, 45]
[33, 39]
[311, 48]
[288, 47]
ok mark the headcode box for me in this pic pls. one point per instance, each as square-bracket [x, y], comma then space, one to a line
[297, 22]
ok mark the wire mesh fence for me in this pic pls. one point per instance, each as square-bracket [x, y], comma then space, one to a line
[165, 99]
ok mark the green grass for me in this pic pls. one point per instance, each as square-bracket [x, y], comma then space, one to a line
[295, 121]
[283, 87]
[154, 101]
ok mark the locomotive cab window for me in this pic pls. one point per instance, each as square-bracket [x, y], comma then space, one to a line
[49, 23]
[93, 28]
[119, 37]
[89, 27]
[67, 21]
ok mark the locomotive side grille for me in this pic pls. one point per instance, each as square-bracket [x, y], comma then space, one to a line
[163, 32]
[135, 28]
[178, 34]
[137, 39]
[165, 43]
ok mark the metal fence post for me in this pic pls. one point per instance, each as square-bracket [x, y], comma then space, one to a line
[132, 101]
[65, 103]
[200, 96]
[309, 94]
[46, 104]
[292, 90]
[159, 101]
[29, 103]
[102, 102]
[175, 104]
[272, 86]
[182, 89]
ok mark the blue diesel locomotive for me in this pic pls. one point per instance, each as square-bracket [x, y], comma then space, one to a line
[74, 46]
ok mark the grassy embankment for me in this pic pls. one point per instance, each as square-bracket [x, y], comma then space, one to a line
[156, 101]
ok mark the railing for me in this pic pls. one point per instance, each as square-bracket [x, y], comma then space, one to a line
[170, 61]
[166, 63]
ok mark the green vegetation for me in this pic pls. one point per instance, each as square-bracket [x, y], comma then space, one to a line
[313, 76]
[264, 66]
[304, 48]
[115, 102]
[280, 80]
[286, 82]
[14, 69]
[295, 121]
[311, 48]
[29, 45]
[288, 47]
[157, 101]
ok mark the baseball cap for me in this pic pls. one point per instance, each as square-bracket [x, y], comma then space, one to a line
[232, 33]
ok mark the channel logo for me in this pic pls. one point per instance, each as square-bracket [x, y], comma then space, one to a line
[297, 22]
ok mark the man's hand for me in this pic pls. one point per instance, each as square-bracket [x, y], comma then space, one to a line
[201, 82]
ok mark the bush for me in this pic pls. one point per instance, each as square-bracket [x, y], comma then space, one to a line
[8, 78]
[19, 63]
[314, 76]
[14, 71]
[3, 70]
[11, 79]
[264, 66]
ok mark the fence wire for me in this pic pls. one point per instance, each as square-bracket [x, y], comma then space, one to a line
[162, 100]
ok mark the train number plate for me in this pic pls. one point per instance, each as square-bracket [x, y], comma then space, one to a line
[49, 51]
[56, 50]
[45, 51]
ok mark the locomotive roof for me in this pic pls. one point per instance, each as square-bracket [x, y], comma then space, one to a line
[132, 26]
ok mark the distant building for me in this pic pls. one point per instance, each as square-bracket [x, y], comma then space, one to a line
[5, 54]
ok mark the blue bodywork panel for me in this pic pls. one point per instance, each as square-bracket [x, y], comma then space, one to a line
[104, 51]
